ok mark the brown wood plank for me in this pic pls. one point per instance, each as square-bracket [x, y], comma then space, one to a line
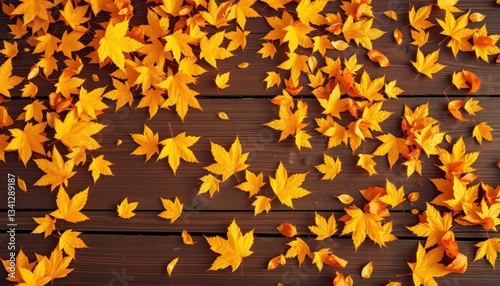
[195, 222]
[142, 259]
[147, 182]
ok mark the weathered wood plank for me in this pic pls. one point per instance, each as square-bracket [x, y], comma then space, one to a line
[195, 222]
[142, 260]
[147, 182]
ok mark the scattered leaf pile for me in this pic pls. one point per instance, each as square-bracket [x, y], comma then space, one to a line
[158, 61]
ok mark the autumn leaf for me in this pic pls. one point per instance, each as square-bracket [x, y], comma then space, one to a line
[323, 228]
[222, 79]
[288, 188]
[298, 248]
[427, 266]
[253, 183]
[46, 225]
[114, 43]
[276, 261]
[22, 261]
[378, 57]
[458, 32]
[210, 184]
[37, 277]
[69, 241]
[7, 81]
[177, 148]
[238, 39]
[32, 8]
[488, 248]
[57, 172]
[325, 256]
[186, 238]
[261, 203]
[171, 265]
[233, 250]
[366, 162]
[211, 50]
[484, 44]
[341, 280]
[394, 196]
[179, 93]
[57, 265]
[482, 131]
[148, 143]
[100, 166]
[272, 79]
[287, 229]
[228, 163]
[345, 199]
[392, 146]
[28, 140]
[418, 19]
[427, 65]
[434, 228]
[367, 270]
[74, 17]
[173, 209]
[391, 15]
[125, 209]
[217, 15]
[77, 133]
[277, 4]
[330, 168]
[296, 63]
[69, 209]
[90, 103]
[122, 93]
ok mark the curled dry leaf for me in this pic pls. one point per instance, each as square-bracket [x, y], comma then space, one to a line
[413, 197]
[340, 45]
[276, 261]
[345, 199]
[454, 108]
[367, 270]
[171, 265]
[398, 36]
[186, 238]
[287, 229]
[378, 57]
[222, 115]
[476, 17]
[391, 15]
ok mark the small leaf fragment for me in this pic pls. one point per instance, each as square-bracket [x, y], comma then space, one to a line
[186, 238]
[243, 65]
[398, 36]
[345, 199]
[287, 229]
[22, 184]
[222, 115]
[366, 272]
[171, 265]
[413, 197]
[378, 57]
[482, 131]
[476, 17]
[391, 15]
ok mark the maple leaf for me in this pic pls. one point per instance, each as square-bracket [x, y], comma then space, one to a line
[324, 256]
[267, 50]
[435, 226]
[74, 17]
[392, 146]
[457, 31]
[153, 99]
[57, 266]
[37, 277]
[484, 44]
[484, 215]
[33, 8]
[278, 24]
[76, 133]
[276, 261]
[261, 203]
[34, 111]
[429, 138]
[482, 130]
[173, 209]
[427, 65]
[458, 162]
[7, 81]
[370, 89]
[488, 248]
[333, 105]
[233, 250]
[228, 162]
[366, 162]
[100, 166]
[22, 261]
[330, 168]
[241, 11]
[448, 5]
[125, 209]
[148, 143]
[178, 147]
[90, 103]
[298, 248]
[222, 79]
[210, 184]
[45, 225]
[217, 15]
[296, 64]
[238, 39]
[427, 266]
[310, 12]
[57, 172]
[179, 94]
[10, 50]
[288, 188]
[69, 240]
[28, 140]
[465, 78]
[323, 228]
[121, 93]
[296, 34]
[361, 224]
[394, 195]
[69, 209]
[290, 123]
[114, 43]
[418, 19]
[210, 50]
[276, 4]
[340, 280]
[178, 43]
[253, 183]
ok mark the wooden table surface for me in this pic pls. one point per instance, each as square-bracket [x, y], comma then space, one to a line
[137, 251]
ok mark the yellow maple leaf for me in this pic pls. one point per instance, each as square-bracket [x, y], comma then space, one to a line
[10, 49]
[394, 195]
[330, 168]
[217, 15]
[45, 225]
[429, 138]
[222, 79]
[325, 256]
[392, 146]
[179, 94]
[448, 5]
[114, 43]
[434, 228]
[7, 81]
[323, 228]
[482, 130]
[276, 4]
[488, 248]
[233, 250]
[210, 184]
[238, 39]
[148, 143]
[484, 44]
[178, 147]
[427, 266]
[125, 209]
[34, 111]
[228, 163]
[418, 19]
[484, 214]
[310, 12]
[178, 42]
[366, 162]
[69, 241]
[370, 89]
[272, 79]
[28, 140]
[37, 277]
[296, 35]
[241, 11]
[296, 63]
[173, 209]
[57, 172]
[458, 32]
[69, 209]
[74, 17]
[153, 99]
[419, 37]
[211, 50]
[261, 203]
[33, 8]
[77, 133]
[267, 50]
[121, 93]
[288, 188]
[457, 162]
[253, 183]
[427, 65]
[298, 248]
[90, 103]
[57, 266]
[100, 166]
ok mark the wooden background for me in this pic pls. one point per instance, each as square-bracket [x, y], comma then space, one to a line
[136, 251]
